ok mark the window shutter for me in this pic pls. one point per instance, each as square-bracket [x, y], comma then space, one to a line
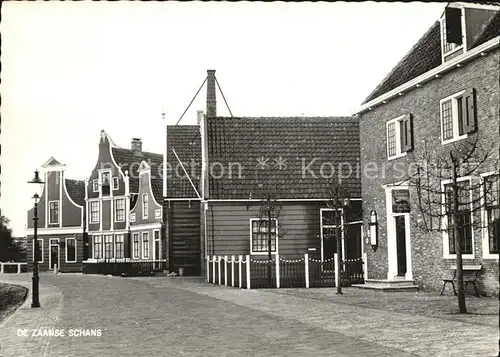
[453, 18]
[407, 133]
[469, 113]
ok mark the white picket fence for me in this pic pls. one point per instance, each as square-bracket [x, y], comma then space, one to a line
[244, 272]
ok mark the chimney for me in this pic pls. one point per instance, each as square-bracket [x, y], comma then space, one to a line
[211, 101]
[136, 146]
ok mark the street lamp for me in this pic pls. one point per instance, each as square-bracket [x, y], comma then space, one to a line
[38, 183]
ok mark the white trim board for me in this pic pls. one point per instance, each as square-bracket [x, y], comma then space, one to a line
[56, 230]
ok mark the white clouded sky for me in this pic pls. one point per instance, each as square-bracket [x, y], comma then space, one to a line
[70, 69]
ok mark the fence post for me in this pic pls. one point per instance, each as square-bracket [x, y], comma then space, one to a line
[218, 263]
[208, 269]
[225, 270]
[306, 261]
[337, 273]
[365, 266]
[232, 271]
[240, 258]
[277, 271]
[248, 271]
[19, 268]
[213, 269]
[1, 268]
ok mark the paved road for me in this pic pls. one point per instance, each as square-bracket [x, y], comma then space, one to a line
[183, 317]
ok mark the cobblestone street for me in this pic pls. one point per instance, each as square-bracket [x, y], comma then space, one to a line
[162, 316]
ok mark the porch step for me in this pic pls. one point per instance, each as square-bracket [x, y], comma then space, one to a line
[388, 285]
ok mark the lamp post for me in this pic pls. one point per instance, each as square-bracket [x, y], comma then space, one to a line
[341, 224]
[35, 302]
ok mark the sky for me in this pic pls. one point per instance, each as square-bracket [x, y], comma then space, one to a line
[72, 69]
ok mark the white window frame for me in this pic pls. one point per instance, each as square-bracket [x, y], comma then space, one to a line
[132, 217]
[40, 245]
[96, 237]
[155, 231]
[485, 235]
[116, 210]
[138, 244]
[251, 236]
[446, 241]
[66, 250]
[397, 132]
[454, 116]
[145, 205]
[105, 245]
[98, 211]
[57, 216]
[95, 185]
[145, 234]
[122, 235]
[116, 183]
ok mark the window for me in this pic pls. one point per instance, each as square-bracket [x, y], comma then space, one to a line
[145, 206]
[120, 210]
[157, 247]
[458, 116]
[145, 245]
[53, 212]
[70, 250]
[399, 133]
[95, 185]
[97, 247]
[119, 246]
[115, 183]
[464, 223]
[492, 208]
[108, 246]
[329, 222]
[105, 180]
[136, 244]
[260, 236]
[40, 250]
[94, 212]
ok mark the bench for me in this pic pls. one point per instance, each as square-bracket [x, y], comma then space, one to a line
[3, 264]
[470, 274]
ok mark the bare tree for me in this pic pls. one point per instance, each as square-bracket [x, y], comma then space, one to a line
[338, 199]
[447, 200]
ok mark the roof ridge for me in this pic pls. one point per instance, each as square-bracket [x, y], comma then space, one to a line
[130, 150]
[349, 117]
[405, 57]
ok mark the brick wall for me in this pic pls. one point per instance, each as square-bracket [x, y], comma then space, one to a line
[423, 103]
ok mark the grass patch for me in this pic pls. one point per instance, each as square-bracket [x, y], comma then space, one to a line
[11, 297]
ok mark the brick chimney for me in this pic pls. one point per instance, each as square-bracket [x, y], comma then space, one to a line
[211, 100]
[136, 146]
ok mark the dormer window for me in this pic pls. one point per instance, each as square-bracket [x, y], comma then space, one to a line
[105, 180]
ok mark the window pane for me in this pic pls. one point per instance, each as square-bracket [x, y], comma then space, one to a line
[493, 229]
[391, 138]
[447, 117]
[71, 250]
[460, 114]
[491, 189]
[260, 236]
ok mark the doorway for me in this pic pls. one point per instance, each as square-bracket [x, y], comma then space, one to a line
[400, 226]
[54, 253]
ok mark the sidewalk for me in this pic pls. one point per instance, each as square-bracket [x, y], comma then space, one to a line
[44, 317]
[417, 323]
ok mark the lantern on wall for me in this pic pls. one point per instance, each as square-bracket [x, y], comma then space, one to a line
[373, 230]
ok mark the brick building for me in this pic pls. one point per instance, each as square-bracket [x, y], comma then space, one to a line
[420, 106]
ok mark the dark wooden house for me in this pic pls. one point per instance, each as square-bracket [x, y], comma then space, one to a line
[61, 216]
[289, 161]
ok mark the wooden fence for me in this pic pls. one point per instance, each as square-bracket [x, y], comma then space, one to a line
[246, 272]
